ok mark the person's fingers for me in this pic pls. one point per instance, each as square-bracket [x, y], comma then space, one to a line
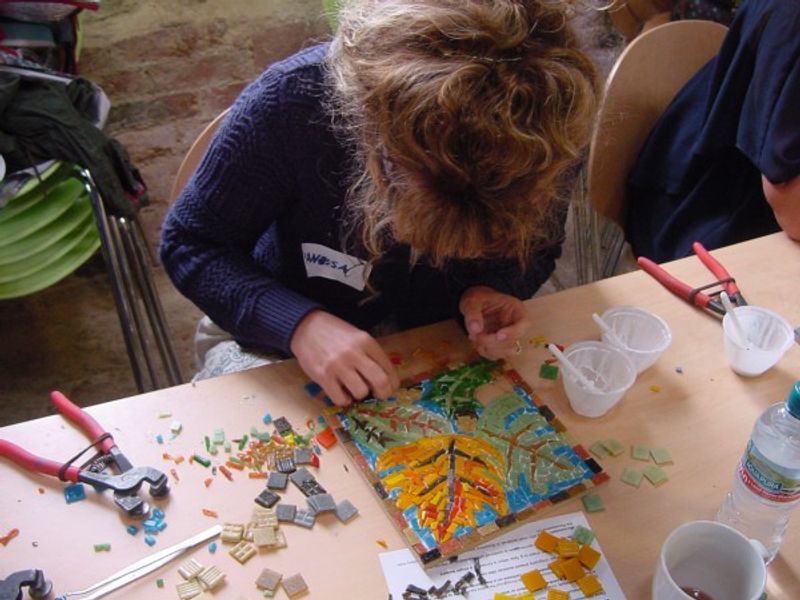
[489, 351]
[337, 394]
[497, 317]
[474, 324]
[509, 313]
[379, 372]
[512, 333]
[354, 384]
[490, 346]
[325, 370]
[472, 311]
[376, 378]
[394, 379]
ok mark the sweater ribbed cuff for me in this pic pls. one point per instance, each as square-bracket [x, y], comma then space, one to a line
[276, 316]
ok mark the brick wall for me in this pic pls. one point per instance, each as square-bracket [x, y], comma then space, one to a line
[170, 67]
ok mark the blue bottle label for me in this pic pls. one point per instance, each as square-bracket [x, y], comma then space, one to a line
[765, 478]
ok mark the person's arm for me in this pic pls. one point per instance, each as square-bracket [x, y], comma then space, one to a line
[769, 122]
[235, 195]
[784, 198]
[238, 191]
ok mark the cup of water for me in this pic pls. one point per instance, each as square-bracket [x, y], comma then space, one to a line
[759, 340]
[599, 377]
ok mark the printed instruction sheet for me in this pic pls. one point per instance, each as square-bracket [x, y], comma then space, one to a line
[501, 563]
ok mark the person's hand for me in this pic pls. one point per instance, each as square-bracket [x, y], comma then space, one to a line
[784, 198]
[347, 362]
[495, 322]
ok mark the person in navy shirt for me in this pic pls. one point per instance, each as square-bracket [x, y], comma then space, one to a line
[722, 165]
[413, 170]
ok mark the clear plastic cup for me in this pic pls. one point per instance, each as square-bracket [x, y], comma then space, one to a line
[769, 336]
[640, 334]
[607, 368]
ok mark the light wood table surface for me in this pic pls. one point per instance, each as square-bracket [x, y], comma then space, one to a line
[703, 416]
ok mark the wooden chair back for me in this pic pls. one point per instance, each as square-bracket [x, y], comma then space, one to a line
[644, 80]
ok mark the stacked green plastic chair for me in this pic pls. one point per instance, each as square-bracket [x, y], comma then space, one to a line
[47, 231]
[57, 221]
[331, 10]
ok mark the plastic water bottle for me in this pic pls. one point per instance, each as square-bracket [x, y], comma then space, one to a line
[766, 485]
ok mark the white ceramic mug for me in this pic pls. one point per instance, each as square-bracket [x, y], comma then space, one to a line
[712, 558]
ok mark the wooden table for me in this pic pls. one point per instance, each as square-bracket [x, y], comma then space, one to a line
[703, 416]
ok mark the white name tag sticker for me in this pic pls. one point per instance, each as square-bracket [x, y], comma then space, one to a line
[321, 261]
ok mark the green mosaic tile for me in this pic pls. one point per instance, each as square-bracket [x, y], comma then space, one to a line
[599, 450]
[640, 452]
[631, 477]
[655, 475]
[614, 447]
[661, 456]
[593, 503]
[548, 371]
[583, 535]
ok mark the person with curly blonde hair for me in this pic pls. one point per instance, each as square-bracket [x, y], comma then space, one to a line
[413, 169]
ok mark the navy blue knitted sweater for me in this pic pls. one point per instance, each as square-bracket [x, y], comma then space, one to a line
[275, 177]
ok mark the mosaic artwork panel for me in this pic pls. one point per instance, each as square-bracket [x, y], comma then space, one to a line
[460, 456]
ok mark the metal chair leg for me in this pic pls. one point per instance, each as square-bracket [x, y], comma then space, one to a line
[139, 234]
[146, 258]
[112, 261]
[139, 309]
[134, 245]
[129, 285]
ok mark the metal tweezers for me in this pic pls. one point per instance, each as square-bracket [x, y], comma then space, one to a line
[141, 568]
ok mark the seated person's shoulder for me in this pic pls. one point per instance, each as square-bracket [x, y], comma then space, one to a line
[292, 86]
[304, 70]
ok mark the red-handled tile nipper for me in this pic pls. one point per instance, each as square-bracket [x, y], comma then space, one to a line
[125, 484]
[697, 295]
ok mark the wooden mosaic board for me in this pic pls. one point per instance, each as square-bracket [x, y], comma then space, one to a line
[464, 455]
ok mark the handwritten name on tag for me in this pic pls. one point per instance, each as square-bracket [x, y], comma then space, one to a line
[321, 261]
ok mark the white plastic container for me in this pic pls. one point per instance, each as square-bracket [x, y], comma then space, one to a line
[769, 336]
[640, 334]
[607, 368]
